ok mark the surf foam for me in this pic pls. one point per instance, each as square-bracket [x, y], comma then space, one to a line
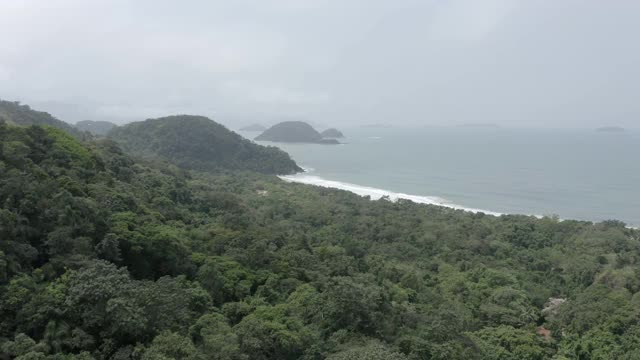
[377, 194]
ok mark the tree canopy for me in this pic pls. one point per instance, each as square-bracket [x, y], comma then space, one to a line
[106, 257]
[13, 112]
[198, 143]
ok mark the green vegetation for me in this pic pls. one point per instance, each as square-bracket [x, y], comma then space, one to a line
[12, 112]
[100, 128]
[295, 132]
[198, 143]
[104, 257]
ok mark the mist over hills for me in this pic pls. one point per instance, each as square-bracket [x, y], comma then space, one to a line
[95, 127]
[253, 127]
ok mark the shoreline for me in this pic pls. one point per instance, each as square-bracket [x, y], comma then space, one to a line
[376, 193]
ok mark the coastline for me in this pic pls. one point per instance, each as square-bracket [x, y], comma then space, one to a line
[376, 194]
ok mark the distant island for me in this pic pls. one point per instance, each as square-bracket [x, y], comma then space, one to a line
[332, 134]
[95, 127]
[294, 132]
[253, 127]
[480, 125]
[610, 129]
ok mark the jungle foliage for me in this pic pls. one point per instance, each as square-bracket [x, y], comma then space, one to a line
[106, 257]
[198, 143]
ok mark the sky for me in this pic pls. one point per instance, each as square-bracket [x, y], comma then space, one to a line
[520, 63]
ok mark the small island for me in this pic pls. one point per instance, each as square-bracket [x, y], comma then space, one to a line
[253, 127]
[332, 134]
[100, 128]
[294, 132]
[480, 125]
[610, 129]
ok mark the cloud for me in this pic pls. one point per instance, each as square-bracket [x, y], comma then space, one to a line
[467, 20]
[527, 62]
[5, 75]
[272, 95]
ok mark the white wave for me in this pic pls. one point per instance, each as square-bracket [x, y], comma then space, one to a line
[376, 194]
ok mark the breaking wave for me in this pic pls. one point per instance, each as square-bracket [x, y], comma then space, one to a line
[375, 193]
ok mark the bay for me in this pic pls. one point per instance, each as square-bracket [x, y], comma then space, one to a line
[574, 174]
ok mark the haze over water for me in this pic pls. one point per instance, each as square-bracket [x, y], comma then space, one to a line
[575, 174]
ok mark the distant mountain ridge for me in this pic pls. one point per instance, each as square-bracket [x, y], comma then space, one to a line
[95, 127]
[294, 132]
[199, 143]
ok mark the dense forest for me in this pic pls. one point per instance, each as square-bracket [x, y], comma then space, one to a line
[108, 256]
[198, 143]
[13, 112]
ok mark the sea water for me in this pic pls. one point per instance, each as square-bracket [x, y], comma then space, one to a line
[574, 174]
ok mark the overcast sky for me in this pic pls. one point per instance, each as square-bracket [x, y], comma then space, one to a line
[561, 63]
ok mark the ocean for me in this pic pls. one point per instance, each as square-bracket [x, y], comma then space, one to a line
[572, 174]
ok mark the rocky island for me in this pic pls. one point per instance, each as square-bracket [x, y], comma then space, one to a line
[332, 134]
[294, 132]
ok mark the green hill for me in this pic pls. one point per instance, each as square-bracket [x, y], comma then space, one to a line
[294, 132]
[13, 112]
[196, 142]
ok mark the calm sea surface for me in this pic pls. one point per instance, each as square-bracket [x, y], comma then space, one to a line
[575, 174]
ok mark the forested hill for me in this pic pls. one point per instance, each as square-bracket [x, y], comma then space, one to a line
[196, 142]
[102, 257]
[13, 112]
